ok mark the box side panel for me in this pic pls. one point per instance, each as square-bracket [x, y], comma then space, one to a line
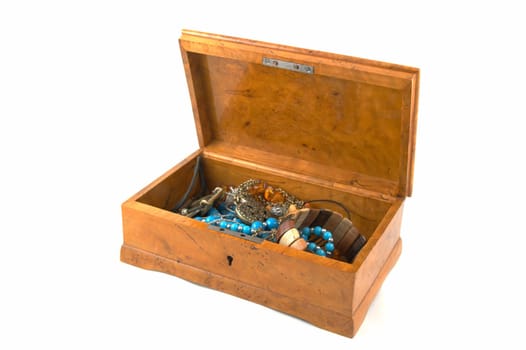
[284, 271]
[376, 252]
[326, 319]
[167, 189]
[361, 311]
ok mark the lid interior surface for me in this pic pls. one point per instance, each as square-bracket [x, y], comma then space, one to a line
[352, 120]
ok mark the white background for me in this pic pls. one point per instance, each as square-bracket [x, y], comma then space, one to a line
[94, 106]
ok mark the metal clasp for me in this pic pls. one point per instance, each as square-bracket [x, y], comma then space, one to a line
[203, 204]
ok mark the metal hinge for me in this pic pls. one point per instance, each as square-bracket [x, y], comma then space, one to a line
[296, 67]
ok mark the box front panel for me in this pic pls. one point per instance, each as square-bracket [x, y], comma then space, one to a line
[290, 304]
[281, 270]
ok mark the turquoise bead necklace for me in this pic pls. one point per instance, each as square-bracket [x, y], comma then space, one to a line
[315, 236]
[230, 222]
[319, 240]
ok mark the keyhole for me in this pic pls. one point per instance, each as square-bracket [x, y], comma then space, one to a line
[230, 259]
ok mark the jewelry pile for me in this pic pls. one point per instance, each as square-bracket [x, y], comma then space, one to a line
[258, 209]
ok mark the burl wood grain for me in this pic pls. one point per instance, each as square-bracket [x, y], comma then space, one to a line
[352, 122]
[366, 211]
[322, 291]
[345, 133]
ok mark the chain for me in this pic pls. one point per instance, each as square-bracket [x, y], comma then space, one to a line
[255, 201]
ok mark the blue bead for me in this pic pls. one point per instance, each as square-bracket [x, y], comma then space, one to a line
[320, 252]
[198, 218]
[223, 224]
[311, 246]
[246, 229]
[305, 231]
[317, 231]
[272, 223]
[326, 235]
[234, 226]
[256, 226]
[329, 247]
[211, 218]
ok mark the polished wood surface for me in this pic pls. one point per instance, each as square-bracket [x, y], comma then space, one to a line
[367, 211]
[334, 321]
[326, 292]
[352, 118]
[345, 133]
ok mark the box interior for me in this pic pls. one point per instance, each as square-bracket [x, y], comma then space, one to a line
[366, 212]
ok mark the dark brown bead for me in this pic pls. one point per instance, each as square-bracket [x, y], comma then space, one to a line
[322, 218]
[312, 215]
[300, 216]
[344, 234]
[353, 250]
[333, 221]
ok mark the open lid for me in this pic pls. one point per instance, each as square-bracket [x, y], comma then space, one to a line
[344, 120]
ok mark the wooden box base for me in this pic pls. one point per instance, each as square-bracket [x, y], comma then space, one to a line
[328, 293]
[329, 320]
